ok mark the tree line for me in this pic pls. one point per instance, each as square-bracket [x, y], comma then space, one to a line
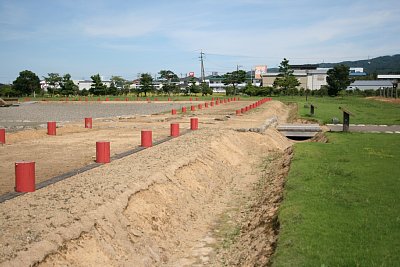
[28, 83]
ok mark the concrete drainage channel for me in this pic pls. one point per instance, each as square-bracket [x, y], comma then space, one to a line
[299, 131]
[91, 166]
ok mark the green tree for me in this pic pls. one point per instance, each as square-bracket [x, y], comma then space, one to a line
[27, 83]
[338, 79]
[205, 89]
[97, 87]
[7, 90]
[146, 83]
[54, 81]
[250, 90]
[169, 88]
[84, 92]
[234, 78]
[286, 81]
[67, 86]
[113, 90]
[168, 75]
[121, 85]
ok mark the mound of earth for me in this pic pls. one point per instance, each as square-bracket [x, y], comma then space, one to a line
[208, 197]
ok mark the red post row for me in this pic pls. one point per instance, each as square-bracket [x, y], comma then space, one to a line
[194, 123]
[174, 129]
[146, 138]
[102, 152]
[88, 123]
[2, 136]
[25, 176]
[51, 128]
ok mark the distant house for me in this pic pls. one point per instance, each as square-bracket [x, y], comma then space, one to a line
[86, 84]
[309, 75]
[370, 84]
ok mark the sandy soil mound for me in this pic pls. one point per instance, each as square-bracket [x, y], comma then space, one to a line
[163, 206]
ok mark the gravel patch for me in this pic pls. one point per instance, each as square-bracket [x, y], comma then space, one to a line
[37, 114]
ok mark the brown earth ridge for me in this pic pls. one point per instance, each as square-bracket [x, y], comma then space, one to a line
[206, 198]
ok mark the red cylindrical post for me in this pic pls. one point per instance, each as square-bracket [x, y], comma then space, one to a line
[194, 123]
[102, 152]
[206, 105]
[51, 128]
[2, 136]
[197, 99]
[190, 99]
[183, 109]
[199, 106]
[212, 103]
[25, 176]
[174, 129]
[147, 138]
[192, 108]
[173, 111]
[88, 123]
[238, 112]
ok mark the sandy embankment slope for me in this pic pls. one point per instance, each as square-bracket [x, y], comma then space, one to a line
[147, 209]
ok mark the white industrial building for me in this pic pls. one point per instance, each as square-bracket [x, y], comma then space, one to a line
[370, 85]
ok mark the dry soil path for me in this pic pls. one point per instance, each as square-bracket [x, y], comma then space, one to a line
[162, 206]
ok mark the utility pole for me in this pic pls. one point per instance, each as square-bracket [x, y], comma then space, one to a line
[237, 77]
[202, 66]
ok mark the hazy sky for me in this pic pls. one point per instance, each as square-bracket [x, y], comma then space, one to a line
[84, 37]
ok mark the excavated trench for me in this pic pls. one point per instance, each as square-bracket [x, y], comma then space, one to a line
[174, 215]
[208, 198]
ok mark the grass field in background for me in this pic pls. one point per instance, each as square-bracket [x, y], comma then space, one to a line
[366, 111]
[342, 203]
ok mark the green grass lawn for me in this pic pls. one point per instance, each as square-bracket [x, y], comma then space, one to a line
[342, 203]
[366, 111]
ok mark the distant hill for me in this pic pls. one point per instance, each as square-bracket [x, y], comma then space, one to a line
[378, 65]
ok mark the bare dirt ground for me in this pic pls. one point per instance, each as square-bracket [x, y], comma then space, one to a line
[207, 198]
[384, 99]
